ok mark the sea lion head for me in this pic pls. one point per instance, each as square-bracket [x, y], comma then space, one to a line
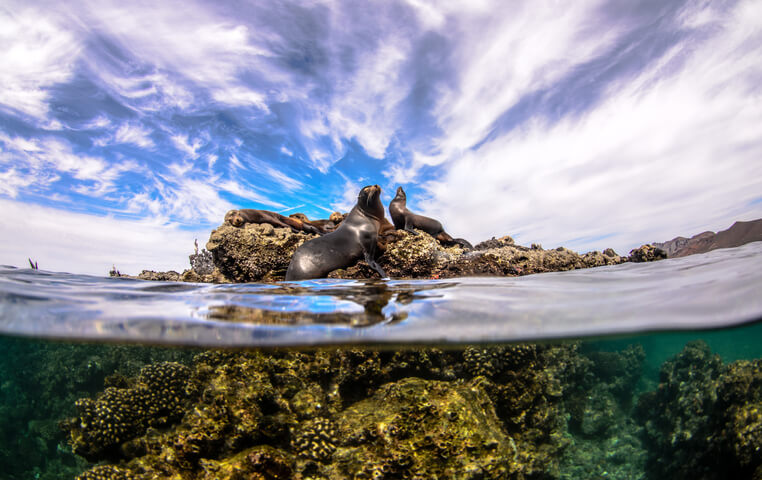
[369, 201]
[400, 194]
[234, 218]
[337, 217]
[300, 216]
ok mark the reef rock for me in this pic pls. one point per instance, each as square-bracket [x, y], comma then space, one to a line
[705, 419]
[424, 429]
[647, 253]
[254, 253]
[262, 253]
[487, 413]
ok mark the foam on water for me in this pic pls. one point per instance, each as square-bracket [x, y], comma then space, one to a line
[714, 290]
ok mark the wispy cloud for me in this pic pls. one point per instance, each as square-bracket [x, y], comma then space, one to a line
[666, 153]
[36, 54]
[602, 121]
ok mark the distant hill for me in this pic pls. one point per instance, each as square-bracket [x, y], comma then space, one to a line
[738, 234]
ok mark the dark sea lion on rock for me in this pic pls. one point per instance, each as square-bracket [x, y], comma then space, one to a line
[355, 239]
[324, 226]
[406, 220]
[238, 218]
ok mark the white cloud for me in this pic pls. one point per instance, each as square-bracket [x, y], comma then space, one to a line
[40, 161]
[348, 197]
[661, 156]
[35, 54]
[72, 242]
[502, 55]
[242, 191]
[183, 144]
[11, 181]
[135, 134]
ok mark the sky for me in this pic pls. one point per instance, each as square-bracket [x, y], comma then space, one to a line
[128, 129]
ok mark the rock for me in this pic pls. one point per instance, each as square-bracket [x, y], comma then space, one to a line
[495, 243]
[647, 253]
[255, 253]
[170, 276]
[429, 428]
[202, 263]
[705, 420]
[262, 253]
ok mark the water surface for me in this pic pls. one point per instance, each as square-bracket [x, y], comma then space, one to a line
[718, 289]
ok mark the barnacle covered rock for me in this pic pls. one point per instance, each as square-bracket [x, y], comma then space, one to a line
[261, 252]
[647, 253]
[106, 472]
[256, 252]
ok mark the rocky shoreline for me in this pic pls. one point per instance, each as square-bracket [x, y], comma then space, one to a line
[261, 253]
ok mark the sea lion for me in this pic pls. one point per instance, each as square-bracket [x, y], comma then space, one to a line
[406, 220]
[324, 226]
[238, 218]
[354, 239]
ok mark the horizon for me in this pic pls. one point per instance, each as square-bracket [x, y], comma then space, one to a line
[126, 132]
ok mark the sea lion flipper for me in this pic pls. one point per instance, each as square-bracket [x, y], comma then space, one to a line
[464, 243]
[374, 264]
[409, 228]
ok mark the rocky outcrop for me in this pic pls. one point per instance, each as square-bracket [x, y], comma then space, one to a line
[260, 252]
[738, 234]
[647, 253]
[254, 253]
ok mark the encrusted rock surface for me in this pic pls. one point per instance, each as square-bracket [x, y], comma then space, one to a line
[262, 253]
[647, 253]
[342, 414]
[256, 252]
[705, 419]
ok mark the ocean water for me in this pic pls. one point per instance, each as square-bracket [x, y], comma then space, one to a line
[632, 371]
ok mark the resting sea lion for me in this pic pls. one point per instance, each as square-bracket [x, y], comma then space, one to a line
[324, 226]
[354, 239]
[238, 218]
[406, 220]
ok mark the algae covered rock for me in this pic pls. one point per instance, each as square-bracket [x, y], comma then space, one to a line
[256, 252]
[418, 428]
[704, 420]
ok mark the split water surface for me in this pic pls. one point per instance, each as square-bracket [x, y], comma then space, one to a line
[631, 371]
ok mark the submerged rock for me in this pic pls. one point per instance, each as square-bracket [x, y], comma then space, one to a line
[705, 419]
[490, 413]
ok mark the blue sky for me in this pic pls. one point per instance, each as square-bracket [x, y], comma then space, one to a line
[127, 129]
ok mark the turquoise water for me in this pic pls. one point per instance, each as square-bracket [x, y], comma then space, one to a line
[613, 386]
